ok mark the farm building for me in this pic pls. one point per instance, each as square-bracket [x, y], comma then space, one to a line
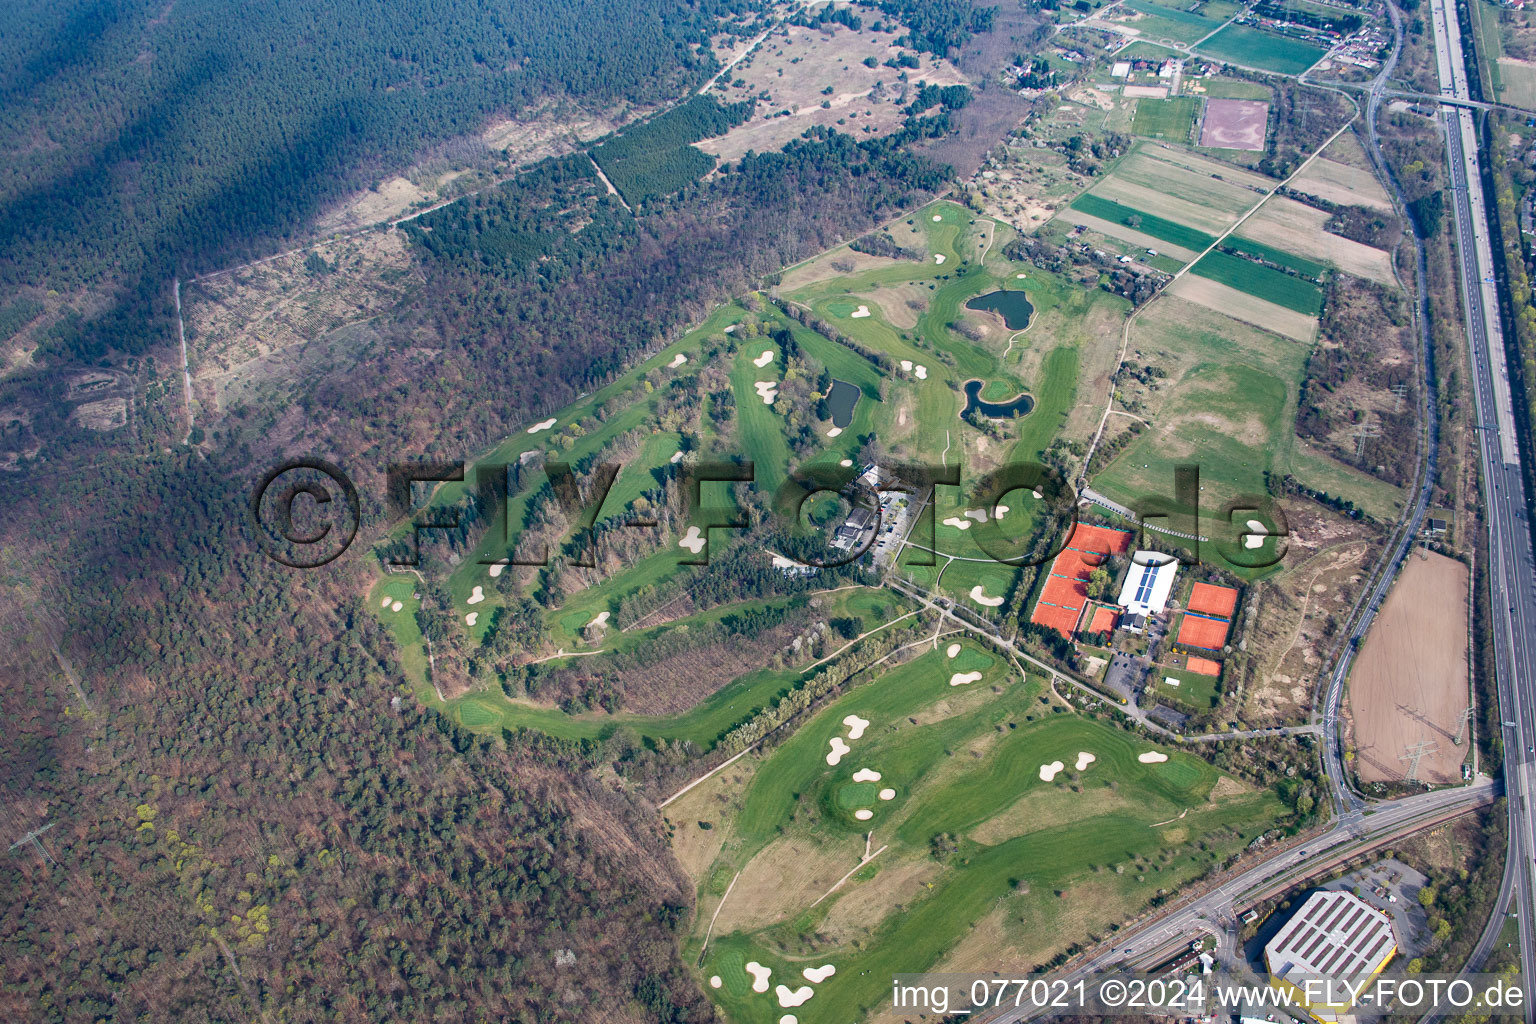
[1333, 939]
[1149, 582]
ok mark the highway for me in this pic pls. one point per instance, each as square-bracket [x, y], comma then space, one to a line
[1512, 572]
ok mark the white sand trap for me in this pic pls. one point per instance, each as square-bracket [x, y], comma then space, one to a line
[938, 257]
[1020, 276]
[795, 998]
[887, 794]
[542, 425]
[964, 678]
[676, 458]
[958, 523]
[471, 618]
[834, 431]
[1084, 759]
[731, 329]
[384, 603]
[863, 814]
[859, 314]
[906, 364]
[1152, 757]
[677, 360]
[980, 597]
[839, 748]
[938, 217]
[714, 981]
[495, 569]
[764, 359]
[866, 775]
[920, 372]
[599, 620]
[476, 596]
[1000, 511]
[856, 726]
[767, 390]
[951, 650]
[817, 975]
[396, 606]
[789, 1018]
[846, 463]
[978, 514]
[1036, 494]
[1048, 771]
[1252, 541]
[694, 541]
[759, 975]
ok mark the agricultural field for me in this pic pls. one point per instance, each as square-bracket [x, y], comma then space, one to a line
[1262, 282]
[1301, 229]
[1507, 49]
[1150, 20]
[931, 818]
[1408, 688]
[1256, 48]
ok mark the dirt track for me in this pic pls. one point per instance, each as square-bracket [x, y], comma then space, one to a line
[1410, 682]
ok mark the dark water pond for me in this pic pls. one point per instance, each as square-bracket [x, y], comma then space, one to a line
[841, 400]
[1015, 308]
[1019, 406]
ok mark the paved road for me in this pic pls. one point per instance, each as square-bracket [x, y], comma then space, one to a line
[1512, 584]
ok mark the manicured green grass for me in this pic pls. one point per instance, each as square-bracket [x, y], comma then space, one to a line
[954, 772]
[1279, 257]
[1146, 51]
[1236, 89]
[1170, 119]
[1189, 18]
[1256, 48]
[1146, 223]
[1264, 282]
[1194, 689]
[759, 429]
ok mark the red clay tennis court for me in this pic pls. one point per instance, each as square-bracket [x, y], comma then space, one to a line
[1066, 588]
[1104, 619]
[1209, 599]
[1201, 631]
[1204, 666]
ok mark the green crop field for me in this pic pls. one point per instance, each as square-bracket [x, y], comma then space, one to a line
[972, 834]
[1262, 282]
[1279, 257]
[1138, 220]
[1171, 119]
[1256, 48]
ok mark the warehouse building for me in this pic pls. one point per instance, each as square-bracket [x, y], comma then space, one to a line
[1333, 939]
[1148, 584]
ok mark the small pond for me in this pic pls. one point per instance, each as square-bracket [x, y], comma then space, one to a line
[1019, 406]
[1015, 308]
[841, 400]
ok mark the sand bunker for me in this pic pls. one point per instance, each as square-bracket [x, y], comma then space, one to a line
[1255, 537]
[795, 998]
[1000, 511]
[860, 313]
[856, 726]
[920, 372]
[677, 360]
[846, 463]
[1152, 757]
[476, 596]
[731, 329]
[764, 359]
[384, 603]
[906, 364]
[839, 748]
[1084, 759]
[817, 975]
[978, 514]
[938, 217]
[834, 431]
[495, 570]
[767, 390]
[980, 597]
[951, 650]
[542, 425]
[396, 606]
[938, 257]
[866, 775]
[1021, 276]
[863, 814]
[759, 975]
[964, 678]
[789, 1018]
[471, 618]
[599, 620]
[694, 541]
[714, 981]
[958, 523]
[1048, 771]
[887, 794]
[676, 458]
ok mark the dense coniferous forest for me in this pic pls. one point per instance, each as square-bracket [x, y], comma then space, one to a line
[150, 138]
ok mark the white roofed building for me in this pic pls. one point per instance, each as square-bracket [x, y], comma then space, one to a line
[1335, 937]
[1148, 583]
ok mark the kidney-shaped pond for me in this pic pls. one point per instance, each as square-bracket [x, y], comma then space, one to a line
[1015, 308]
